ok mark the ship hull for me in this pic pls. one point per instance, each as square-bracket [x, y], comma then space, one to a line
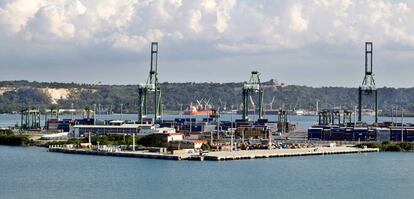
[206, 112]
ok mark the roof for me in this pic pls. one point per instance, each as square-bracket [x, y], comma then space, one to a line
[112, 127]
[174, 134]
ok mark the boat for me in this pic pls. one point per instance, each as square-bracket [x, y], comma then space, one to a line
[202, 108]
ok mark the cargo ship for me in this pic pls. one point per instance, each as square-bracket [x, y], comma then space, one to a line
[200, 109]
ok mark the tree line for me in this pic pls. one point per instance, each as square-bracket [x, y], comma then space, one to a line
[179, 95]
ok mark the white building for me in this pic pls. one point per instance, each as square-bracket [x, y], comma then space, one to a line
[137, 129]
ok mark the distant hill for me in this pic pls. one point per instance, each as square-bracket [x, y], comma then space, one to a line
[15, 95]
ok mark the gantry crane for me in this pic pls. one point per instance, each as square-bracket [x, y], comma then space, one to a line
[368, 87]
[151, 86]
[253, 86]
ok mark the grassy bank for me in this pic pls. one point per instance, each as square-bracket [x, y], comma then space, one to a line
[14, 140]
[390, 146]
[8, 137]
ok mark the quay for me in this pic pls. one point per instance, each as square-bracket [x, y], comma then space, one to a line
[278, 153]
[132, 154]
[223, 155]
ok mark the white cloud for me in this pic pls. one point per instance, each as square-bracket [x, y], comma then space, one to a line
[195, 18]
[49, 22]
[279, 25]
[297, 22]
[218, 26]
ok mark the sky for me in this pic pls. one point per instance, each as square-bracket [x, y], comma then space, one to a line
[308, 42]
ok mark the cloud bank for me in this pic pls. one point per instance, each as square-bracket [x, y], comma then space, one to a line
[109, 35]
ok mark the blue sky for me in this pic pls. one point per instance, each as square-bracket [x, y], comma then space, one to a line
[314, 43]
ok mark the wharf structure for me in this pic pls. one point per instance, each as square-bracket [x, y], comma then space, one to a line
[220, 155]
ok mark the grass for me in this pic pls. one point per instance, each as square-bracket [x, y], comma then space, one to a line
[390, 146]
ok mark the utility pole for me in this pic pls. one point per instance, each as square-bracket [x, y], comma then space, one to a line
[231, 129]
[218, 124]
[133, 141]
[162, 112]
[94, 114]
[402, 124]
[181, 110]
[71, 111]
[121, 110]
[355, 113]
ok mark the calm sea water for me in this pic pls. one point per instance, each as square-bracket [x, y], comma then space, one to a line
[301, 121]
[28, 172]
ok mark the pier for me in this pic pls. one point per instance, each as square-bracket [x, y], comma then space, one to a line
[131, 154]
[278, 153]
[222, 155]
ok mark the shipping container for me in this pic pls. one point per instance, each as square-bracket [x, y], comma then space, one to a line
[337, 134]
[397, 134]
[349, 134]
[410, 134]
[360, 134]
[315, 133]
[372, 135]
[382, 134]
[326, 134]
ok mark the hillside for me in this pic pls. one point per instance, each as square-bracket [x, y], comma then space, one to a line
[15, 95]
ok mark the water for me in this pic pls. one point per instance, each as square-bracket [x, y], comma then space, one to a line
[302, 121]
[35, 173]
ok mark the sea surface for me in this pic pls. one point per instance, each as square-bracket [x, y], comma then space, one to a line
[9, 120]
[31, 172]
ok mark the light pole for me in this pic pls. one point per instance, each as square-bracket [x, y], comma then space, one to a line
[162, 112]
[133, 141]
[181, 111]
[121, 110]
[231, 128]
[94, 114]
[71, 111]
[355, 107]
[402, 124]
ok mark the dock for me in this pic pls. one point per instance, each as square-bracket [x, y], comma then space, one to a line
[131, 154]
[223, 155]
[278, 153]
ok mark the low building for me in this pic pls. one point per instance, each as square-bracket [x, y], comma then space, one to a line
[138, 129]
[168, 137]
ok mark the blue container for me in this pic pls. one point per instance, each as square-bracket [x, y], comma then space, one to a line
[337, 134]
[167, 124]
[207, 119]
[196, 128]
[326, 134]
[315, 133]
[409, 134]
[360, 134]
[372, 134]
[382, 134]
[349, 134]
[395, 134]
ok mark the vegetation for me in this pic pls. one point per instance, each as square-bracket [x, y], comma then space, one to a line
[22, 94]
[389, 146]
[113, 140]
[153, 140]
[7, 137]
[206, 147]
